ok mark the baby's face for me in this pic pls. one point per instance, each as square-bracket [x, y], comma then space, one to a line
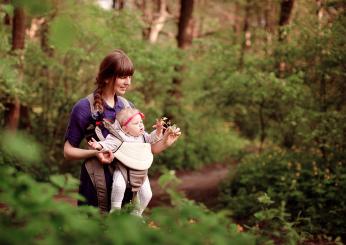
[135, 127]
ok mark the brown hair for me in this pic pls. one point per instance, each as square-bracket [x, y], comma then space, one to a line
[115, 64]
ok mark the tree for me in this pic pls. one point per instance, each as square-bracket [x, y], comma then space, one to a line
[12, 111]
[184, 38]
[7, 18]
[158, 22]
[154, 14]
[246, 34]
[120, 4]
[284, 21]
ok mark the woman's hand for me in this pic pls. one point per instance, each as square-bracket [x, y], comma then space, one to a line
[105, 157]
[171, 135]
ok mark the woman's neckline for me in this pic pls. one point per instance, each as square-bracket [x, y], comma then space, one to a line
[114, 104]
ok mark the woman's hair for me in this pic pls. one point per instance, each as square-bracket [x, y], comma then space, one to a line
[124, 114]
[115, 64]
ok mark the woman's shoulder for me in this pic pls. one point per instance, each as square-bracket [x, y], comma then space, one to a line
[82, 108]
[123, 102]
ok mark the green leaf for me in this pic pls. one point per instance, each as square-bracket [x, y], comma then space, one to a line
[63, 33]
[34, 7]
[58, 180]
[8, 9]
[21, 146]
[265, 199]
[66, 182]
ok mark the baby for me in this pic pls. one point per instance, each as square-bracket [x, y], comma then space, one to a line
[129, 125]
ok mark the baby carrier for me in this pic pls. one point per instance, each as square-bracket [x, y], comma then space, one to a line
[132, 159]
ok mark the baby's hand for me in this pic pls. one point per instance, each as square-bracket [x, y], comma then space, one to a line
[159, 126]
[94, 144]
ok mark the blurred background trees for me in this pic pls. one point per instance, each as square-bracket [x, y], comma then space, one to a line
[239, 77]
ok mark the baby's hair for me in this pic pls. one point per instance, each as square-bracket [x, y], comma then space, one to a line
[124, 114]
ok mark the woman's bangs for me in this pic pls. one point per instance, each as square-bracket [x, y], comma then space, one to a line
[125, 68]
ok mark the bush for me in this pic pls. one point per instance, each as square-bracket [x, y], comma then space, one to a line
[313, 189]
[30, 215]
[202, 145]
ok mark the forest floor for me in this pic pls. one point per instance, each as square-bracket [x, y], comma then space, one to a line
[199, 185]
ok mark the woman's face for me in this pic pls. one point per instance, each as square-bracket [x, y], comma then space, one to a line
[121, 84]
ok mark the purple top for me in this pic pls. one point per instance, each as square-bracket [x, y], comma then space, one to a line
[80, 119]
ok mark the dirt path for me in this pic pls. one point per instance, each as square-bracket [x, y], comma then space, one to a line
[199, 185]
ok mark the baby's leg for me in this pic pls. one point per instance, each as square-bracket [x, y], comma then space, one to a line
[118, 190]
[144, 195]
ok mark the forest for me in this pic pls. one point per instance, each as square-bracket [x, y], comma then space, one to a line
[258, 86]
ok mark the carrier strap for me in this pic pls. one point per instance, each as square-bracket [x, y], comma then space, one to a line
[97, 176]
[113, 131]
[133, 178]
[90, 98]
[93, 111]
[94, 167]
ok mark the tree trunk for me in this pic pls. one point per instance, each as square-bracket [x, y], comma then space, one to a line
[269, 12]
[285, 17]
[118, 4]
[18, 30]
[12, 110]
[158, 23]
[237, 27]
[7, 18]
[320, 12]
[322, 79]
[184, 38]
[262, 127]
[246, 42]
[44, 39]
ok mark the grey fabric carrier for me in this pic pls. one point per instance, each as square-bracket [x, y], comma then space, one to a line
[133, 178]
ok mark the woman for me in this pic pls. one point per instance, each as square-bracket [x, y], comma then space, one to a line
[113, 80]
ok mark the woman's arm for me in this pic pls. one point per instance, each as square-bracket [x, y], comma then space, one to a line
[169, 137]
[74, 153]
[158, 147]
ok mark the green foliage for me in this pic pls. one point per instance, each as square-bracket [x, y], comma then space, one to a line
[272, 222]
[202, 144]
[230, 96]
[10, 86]
[34, 7]
[31, 213]
[20, 146]
[21, 151]
[62, 33]
[308, 184]
[8, 9]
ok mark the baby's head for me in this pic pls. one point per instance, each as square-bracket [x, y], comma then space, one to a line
[131, 121]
